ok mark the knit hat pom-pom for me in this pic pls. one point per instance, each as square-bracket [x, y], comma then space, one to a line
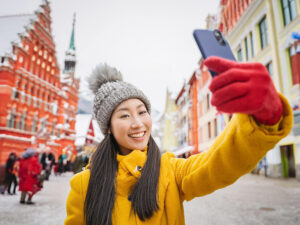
[101, 75]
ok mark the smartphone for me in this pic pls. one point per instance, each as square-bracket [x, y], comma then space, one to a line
[213, 43]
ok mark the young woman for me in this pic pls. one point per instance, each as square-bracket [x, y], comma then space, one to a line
[128, 182]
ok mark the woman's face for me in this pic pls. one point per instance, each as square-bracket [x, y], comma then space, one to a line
[131, 125]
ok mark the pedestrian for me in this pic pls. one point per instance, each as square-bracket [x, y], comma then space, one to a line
[10, 177]
[29, 172]
[51, 159]
[60, 164]
[129, 182]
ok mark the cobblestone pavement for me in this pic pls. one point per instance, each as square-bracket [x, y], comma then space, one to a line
[251, 200]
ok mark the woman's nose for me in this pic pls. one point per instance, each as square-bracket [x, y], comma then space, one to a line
[136, 123]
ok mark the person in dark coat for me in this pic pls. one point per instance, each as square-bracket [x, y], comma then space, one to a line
[29, 171]
[10, 177]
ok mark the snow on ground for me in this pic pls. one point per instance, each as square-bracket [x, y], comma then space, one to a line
[49, 207]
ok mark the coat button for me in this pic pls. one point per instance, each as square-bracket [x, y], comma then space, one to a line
[138, 168]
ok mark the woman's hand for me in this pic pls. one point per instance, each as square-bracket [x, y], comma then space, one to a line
[244, 88]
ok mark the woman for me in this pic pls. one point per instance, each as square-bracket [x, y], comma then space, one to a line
[29, 171]
[128, 182]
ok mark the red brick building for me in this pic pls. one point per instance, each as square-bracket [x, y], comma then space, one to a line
[38, 102]
[232, 10]
[194, 112]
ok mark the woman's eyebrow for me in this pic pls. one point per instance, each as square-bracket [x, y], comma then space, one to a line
[122, 109]
[139, 106]
[127, 109]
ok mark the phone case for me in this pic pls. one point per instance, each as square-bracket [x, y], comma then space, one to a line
[210, 46]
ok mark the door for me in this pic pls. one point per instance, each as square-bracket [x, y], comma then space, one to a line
[288, 161]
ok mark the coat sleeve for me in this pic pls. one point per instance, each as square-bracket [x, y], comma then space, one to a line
[75, 202]
[234, 153]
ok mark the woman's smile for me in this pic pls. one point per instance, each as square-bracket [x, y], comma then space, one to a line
[138, 136]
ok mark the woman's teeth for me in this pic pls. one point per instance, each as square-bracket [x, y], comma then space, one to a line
[137, 135]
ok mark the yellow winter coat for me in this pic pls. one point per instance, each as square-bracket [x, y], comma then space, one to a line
[234, 153]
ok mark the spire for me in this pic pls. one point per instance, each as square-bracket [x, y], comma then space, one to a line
[70, 57]
[72, 42]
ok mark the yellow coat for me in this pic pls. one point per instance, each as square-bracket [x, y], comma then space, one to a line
[234, 153]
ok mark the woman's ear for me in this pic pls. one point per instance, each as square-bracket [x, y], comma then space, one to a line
[109, 131]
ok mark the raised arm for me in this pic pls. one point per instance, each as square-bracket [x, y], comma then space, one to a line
[263, 118]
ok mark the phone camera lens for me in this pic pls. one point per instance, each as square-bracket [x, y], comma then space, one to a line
[219, 37]
[217, 34]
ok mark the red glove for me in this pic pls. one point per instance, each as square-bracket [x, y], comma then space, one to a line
[244, 88]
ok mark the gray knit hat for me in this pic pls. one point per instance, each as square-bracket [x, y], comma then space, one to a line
[110, 90]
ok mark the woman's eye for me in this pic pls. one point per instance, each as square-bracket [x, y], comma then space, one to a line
[124, 116]
[143, 112]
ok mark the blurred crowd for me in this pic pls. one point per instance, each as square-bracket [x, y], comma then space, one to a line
[32, 169]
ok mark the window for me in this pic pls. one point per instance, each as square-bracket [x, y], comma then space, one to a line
[11, 118]
[18, 123]
[23, 118]
[209, 130]
[58, 134]
[29, 100]
[289, 10]
[34, 124]
[15, 94]
[263, 33]
[270, 68]
[35, 102]
[12, 121]
[53, 128]
[240, 55]
[293, 60]
[246, 48]
[23, 97]
[215, 128]
[207, 102]
[43, 124]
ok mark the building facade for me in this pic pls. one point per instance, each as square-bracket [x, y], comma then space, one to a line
[169, 139]
[266, 31]
[183, 130]
[38, 105]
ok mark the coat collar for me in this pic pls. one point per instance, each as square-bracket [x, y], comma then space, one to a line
[133, 162]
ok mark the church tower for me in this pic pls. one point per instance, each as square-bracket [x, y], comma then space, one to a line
[70, 56]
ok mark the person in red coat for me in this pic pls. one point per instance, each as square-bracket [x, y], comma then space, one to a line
[29, 171]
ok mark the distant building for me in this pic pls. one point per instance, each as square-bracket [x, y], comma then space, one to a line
[184, 104]
[169, 127]
[38, 104]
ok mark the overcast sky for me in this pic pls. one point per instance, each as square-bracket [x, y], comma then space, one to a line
[149, 41]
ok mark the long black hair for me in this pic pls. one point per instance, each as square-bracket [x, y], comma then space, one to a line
[101, 191]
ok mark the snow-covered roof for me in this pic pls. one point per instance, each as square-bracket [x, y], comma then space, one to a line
[10, 27]
[82, 126]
